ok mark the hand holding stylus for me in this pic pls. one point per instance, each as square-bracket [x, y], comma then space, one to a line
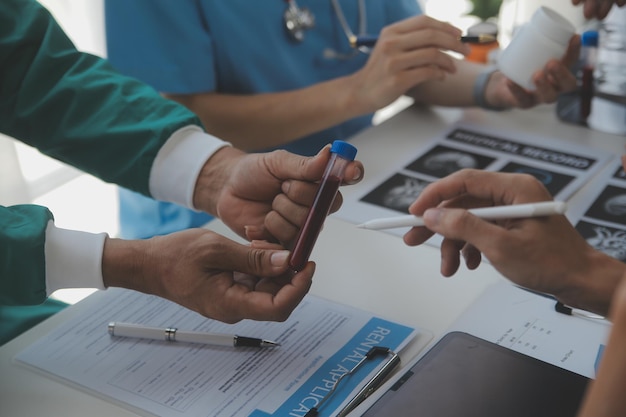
[546, 254]
[516, 211]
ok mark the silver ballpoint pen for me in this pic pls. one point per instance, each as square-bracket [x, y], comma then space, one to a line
[172, 334]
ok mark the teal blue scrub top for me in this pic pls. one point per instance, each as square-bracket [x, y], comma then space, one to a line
[73, 107]
[233, 47]
[241, 47]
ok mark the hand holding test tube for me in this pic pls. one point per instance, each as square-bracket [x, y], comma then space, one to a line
[342, 154]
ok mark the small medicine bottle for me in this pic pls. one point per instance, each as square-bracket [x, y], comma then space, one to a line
[482, 52]
[588, 56]
[342, 153]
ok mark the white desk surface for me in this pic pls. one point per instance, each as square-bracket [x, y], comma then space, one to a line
[366, 269]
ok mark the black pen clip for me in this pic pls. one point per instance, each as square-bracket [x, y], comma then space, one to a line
[371, 385]
[559, 307]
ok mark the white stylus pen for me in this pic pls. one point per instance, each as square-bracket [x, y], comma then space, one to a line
[172, 334]
[546, 208]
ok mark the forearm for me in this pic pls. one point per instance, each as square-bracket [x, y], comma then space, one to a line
[456, 90]
[254, 122]
[605, 396]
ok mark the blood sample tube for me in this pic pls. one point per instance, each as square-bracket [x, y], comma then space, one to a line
[588, 53]
[342, 153]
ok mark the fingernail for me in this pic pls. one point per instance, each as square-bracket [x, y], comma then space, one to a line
[433, 216]
[279, 258]
[357, 174]
[285, 186]
[328, 145]
[250, 231]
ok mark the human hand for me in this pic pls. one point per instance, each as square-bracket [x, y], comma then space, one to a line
[265, 196]
[407, 53]
[209, 274]
[555, 78]
[545, 254]
[598, 9]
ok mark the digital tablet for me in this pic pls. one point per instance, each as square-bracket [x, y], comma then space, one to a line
[463, 375]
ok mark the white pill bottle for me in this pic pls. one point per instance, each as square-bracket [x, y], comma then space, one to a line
[545, 37]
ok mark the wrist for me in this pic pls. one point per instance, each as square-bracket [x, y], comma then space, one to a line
[123, 264]
[355, 99]
[213, 176]
[479, 92]
[593, 287]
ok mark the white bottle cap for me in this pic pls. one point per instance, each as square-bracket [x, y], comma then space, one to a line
[545, 37]
[553, 25]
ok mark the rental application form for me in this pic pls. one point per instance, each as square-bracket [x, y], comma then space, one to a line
[320, 341]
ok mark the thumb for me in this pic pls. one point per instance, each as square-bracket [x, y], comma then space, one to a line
[573, 51]
[257, 261]
[285, 165]
[459, 224]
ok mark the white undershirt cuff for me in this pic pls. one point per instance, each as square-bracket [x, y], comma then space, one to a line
[73, 259]
[190, 148]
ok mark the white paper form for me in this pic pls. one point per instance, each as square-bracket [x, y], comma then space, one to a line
[561, 166]
[319, 340]
[528, 323]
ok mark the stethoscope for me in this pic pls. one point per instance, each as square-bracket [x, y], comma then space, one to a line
[299, 19]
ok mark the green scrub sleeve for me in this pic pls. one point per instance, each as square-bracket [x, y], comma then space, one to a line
[23, 300]
[74, 106]
[22, 256]
[15, 320]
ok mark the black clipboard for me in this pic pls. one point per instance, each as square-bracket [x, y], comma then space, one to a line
[462, 375]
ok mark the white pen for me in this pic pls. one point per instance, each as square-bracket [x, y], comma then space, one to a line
[545, 208]
[172, 334]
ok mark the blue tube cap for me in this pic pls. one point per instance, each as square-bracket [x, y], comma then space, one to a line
[589, 38]
[343, 149]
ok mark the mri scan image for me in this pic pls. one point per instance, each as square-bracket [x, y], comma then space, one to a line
[397, 193]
